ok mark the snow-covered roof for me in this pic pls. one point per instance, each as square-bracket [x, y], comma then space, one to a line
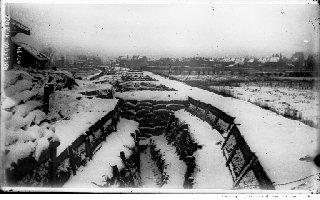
[21, 28]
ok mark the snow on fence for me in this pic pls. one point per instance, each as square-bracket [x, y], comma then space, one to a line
[51, 170]
[241, 161]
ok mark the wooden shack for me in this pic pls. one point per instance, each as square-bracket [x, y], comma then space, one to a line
[22, 54]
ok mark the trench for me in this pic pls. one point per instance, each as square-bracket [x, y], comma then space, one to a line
[165, 147]
[178, 148]
[166, 153]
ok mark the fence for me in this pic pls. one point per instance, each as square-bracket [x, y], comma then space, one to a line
[53, 170]
[241, 161]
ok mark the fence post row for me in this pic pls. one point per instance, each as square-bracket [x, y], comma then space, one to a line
[251, 160]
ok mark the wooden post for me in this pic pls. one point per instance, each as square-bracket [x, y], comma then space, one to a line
[206, 114]
[72, 162]
[48, 89]
[115, 172]
[136, 152]
[88, 148]
[52, 164]
[232, 153]
[245, 168]
[228, 136]
[102, 129]
[123, 158]
[171, 119]
[114, 122]
[197, 106]
[215, 121]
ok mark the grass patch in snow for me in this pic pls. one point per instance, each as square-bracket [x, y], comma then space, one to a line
[295, 104]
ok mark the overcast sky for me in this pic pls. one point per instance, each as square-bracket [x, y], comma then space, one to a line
[171, 29]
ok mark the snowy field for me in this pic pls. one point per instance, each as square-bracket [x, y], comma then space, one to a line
[294, 103]
[292, 97]
[211, 77]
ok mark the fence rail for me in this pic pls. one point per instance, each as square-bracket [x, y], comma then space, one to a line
[241, 161]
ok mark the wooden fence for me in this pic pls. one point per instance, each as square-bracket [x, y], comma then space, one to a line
[241, 161]
[55, 170]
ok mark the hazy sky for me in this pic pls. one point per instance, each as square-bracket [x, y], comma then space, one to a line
[171, 29]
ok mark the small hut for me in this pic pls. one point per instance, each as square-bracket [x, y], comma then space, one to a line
[23, 54]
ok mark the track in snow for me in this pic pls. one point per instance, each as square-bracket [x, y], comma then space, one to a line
[149, 173]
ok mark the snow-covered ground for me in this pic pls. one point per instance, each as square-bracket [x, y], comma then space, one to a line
[85, 86]
[149, 172]
[86, 113]
[109, 78]
[175, 168]
[100, 167]
[211, 171]
[281, 144]
[296, 103]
